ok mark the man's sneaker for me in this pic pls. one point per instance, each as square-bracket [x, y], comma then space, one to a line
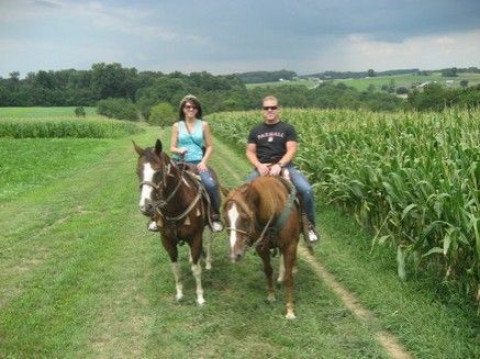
[152, 226]
[217, 226]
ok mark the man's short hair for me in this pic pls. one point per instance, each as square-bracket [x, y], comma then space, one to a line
[270, 98]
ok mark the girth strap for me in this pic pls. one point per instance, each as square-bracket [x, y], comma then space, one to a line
[282, 219]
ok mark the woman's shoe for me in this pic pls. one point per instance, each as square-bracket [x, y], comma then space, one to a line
[152, 226]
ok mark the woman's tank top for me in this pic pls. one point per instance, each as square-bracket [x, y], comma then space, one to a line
[192, 141]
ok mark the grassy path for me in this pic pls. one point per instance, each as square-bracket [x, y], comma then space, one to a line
[81, 277]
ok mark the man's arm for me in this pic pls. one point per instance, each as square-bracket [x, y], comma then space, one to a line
[287, 158]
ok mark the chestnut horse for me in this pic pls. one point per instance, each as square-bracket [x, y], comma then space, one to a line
[264, 214]
[174, 197]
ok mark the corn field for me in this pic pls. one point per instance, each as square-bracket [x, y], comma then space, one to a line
[411, 178]
[95, 127]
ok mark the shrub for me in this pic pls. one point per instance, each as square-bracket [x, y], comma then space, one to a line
[119, 108]
[80, 111]
[162, 114]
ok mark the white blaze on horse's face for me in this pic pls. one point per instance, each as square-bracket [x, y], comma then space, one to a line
[146, 194]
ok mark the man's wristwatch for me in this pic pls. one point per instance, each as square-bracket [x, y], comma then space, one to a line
[281, 164]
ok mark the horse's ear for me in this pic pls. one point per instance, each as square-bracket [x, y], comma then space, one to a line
[138, 149]
[158, 147]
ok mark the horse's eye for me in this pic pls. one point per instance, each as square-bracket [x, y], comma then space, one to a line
[243, 221]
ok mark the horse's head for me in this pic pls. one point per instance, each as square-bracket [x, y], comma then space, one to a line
[152, 167]
[240, 222]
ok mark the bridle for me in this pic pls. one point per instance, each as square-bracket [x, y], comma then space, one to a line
[272, 229]
[249, 233]
[160, 188]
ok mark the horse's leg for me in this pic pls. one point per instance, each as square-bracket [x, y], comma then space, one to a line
[281, 269]
[295, 266]
[172, 251]
[289, 255]
[267, 268]
[178, 277]
[208, 259]
[196, 251]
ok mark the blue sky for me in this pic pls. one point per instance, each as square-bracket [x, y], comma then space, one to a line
[224, 37]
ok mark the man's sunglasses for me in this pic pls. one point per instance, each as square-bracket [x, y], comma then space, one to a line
[266, 108]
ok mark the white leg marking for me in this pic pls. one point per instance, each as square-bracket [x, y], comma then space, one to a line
[197, 273]
[281, 269]
[208, 249]
[178, 283]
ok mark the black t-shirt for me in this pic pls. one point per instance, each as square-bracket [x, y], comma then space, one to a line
[271, 140]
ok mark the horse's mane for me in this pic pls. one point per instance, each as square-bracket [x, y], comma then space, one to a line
[238, 196]
[152, 157]
[269, 195]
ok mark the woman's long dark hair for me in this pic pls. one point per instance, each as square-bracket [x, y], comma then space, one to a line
[194, 101]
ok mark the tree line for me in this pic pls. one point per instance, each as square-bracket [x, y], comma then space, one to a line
[114, 88]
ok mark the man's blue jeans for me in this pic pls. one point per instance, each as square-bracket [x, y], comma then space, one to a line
[303, 187]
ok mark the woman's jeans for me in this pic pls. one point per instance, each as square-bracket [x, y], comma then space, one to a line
[211, 187]
[303, 187]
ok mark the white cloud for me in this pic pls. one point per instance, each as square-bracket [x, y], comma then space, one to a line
[357, 52]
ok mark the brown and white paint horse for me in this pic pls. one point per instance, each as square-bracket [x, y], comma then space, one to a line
[252, 214]
[174, 198]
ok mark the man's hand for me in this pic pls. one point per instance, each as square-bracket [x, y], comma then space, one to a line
[263, 169]
[275, 170]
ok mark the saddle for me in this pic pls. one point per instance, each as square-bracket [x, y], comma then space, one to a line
[192, 171]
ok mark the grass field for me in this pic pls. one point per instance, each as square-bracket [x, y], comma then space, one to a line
[308, 83]
[39, 112]
[408, 81]
[80, 276]
[363, 84]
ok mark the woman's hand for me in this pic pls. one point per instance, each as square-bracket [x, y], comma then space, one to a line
[202, 167]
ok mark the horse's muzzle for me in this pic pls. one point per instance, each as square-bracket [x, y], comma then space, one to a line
[147, 208]
[237, 254]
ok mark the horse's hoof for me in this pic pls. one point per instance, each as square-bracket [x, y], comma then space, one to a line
[290, 316]
[271, 298]
[208, 266]
[201, 302]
